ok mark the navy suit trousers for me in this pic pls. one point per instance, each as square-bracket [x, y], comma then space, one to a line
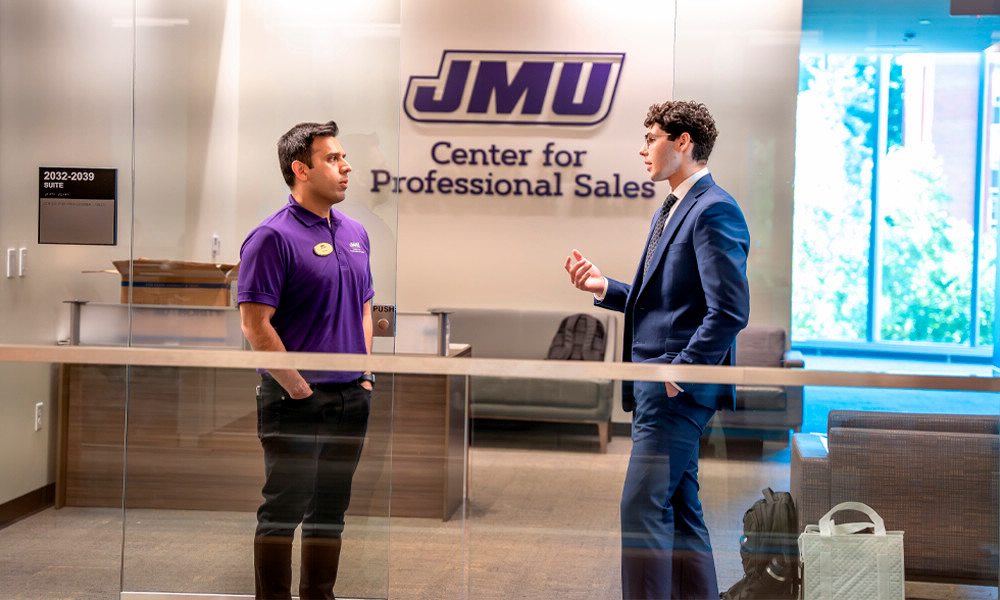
[666, 552]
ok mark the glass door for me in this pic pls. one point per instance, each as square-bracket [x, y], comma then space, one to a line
[216, 85]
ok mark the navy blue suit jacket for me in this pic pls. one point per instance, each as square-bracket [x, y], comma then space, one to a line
[695, 298]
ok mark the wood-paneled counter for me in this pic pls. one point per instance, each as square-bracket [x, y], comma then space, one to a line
[192, 441]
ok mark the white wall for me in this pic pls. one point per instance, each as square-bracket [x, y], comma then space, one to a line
[65, 86]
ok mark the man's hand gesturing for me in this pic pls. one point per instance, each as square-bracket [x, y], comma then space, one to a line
[583, 274]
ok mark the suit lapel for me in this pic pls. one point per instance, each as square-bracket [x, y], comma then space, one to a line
[674, 223]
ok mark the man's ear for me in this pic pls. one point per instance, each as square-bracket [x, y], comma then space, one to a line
[685, 144]
[300, 169]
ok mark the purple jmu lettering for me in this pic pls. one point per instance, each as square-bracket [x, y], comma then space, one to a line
[531, 82]
[593, 97]
[457, 76]
[516, 87]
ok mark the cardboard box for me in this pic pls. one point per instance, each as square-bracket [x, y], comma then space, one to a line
[175, 282]
[232, 276]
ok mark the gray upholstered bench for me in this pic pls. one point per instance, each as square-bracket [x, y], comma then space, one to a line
[526, 334]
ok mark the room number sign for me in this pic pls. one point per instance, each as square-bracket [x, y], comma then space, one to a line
[77, 206]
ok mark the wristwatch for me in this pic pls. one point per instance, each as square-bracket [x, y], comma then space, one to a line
[369, 377]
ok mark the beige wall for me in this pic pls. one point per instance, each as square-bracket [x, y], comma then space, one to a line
[498, 251]
[741, 59]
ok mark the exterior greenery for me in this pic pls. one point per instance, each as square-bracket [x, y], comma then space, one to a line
[925, 253]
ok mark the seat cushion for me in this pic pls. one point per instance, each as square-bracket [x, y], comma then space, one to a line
[760, 397]
[555, 393]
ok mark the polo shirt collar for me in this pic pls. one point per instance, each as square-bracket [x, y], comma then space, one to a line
[309, 218]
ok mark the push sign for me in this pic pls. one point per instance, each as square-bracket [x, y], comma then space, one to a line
[384, 318]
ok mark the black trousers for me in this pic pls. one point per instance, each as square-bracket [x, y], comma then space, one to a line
[311, 450]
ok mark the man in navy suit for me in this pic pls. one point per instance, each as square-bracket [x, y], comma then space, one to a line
[687, 302]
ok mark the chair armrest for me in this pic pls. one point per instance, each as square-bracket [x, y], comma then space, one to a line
[792, 359]
[809, 480]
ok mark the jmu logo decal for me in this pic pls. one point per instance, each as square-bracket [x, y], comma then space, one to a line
[523, 88]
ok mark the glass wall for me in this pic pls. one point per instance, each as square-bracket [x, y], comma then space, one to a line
[485, 143]
[139, 141]
[65, 102]
[907, 210]
[215, 86]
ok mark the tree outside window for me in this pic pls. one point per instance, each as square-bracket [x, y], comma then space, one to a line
[925, 233]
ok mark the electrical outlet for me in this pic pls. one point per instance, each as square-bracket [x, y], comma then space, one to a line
[38, 415]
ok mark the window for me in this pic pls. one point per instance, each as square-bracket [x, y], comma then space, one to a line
[895, 199]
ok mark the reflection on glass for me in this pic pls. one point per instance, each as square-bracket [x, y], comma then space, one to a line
[195, 469]
[214, 87]
[71, 549]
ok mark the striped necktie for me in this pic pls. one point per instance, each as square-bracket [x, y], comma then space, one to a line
[658, 230]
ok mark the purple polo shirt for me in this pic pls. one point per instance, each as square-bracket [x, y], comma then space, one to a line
[316, 275]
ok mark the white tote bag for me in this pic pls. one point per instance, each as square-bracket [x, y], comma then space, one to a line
[840, 563]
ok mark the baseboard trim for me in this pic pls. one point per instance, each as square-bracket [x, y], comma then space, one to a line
[27, 505]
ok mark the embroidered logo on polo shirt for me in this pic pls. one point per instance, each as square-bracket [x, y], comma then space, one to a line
[356, 247]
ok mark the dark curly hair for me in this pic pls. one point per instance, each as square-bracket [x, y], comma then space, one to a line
[296, 145]
[676, 117]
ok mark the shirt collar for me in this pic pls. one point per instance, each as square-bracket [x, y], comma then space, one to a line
[686, 185]
[309, 218]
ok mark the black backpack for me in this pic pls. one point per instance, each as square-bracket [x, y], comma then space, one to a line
[579, 337]
[769, 550]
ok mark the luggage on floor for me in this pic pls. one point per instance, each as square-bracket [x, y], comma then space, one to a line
[768, 550]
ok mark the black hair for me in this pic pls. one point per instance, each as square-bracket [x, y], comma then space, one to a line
[296, 145]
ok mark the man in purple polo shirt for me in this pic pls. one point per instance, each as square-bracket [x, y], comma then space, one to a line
[305, 285]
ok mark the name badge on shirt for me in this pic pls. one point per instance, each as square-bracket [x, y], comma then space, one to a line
[322, 249]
